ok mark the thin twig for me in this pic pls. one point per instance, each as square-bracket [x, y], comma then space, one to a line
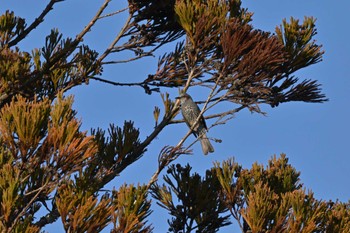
[116, 83]
[87, 28]
[113, 13]
[138, 150]
[237, 217]
[131, 47]
[154, 177]
[20, 215]
[141, 84]
[147, 54]
[222, 114]
[116, 39]
[159, 127]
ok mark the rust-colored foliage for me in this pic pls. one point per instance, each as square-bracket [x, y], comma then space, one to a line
[41, 144]
[81, 211]
[249, 66]
[251, 59]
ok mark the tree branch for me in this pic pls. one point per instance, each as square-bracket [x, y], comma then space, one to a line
[116, 39]
[87, 28]
[113, 13]
[25, 209]
[36, 22]
[221, 115]
[141, 148]
[145, 85]
[147, 54]
[68, 51]
[48, 218]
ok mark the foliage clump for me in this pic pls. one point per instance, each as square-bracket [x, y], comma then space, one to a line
[260, 199]
[51, 170]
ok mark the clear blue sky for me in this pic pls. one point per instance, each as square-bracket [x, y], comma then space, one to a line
[315, 137]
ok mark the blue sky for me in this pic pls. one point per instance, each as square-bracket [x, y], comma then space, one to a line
[315, 137]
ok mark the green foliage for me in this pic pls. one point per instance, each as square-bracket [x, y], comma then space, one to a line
[118, 147]
[42, 147]
[227, 174]
[45, 72]
[261, 208]
[10, 26]
[156, 113]
[307, 214]
[200, 206]
[55, 54]
[297, 39]
[198, 17]
[260, 199]
[131, 208]
[338, 217]
[69, 145]
[237, 11]
[279, 175]
[9, 184]
[23, 125]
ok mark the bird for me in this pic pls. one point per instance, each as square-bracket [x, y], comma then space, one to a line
[190, 112]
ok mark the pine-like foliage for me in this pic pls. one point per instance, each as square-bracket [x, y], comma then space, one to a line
[260, 199]
[51, 170]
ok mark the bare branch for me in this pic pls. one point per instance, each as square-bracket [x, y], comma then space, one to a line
[147, 54]
[235, 213]
[33, 199]
[166, 156]
[115, 83]
[116, 39]
[80, 36]
[220, 115]
[113, 13]
[145, 85]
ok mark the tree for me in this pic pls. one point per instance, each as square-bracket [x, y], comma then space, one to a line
[49, 164]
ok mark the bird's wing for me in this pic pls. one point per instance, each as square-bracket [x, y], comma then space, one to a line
[189, 126]
[201, 119]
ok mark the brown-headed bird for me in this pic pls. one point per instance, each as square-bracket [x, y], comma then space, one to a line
[190, 112]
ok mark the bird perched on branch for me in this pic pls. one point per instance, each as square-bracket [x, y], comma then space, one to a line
[190, 112]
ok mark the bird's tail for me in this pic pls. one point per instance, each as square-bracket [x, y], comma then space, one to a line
[207, 147]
